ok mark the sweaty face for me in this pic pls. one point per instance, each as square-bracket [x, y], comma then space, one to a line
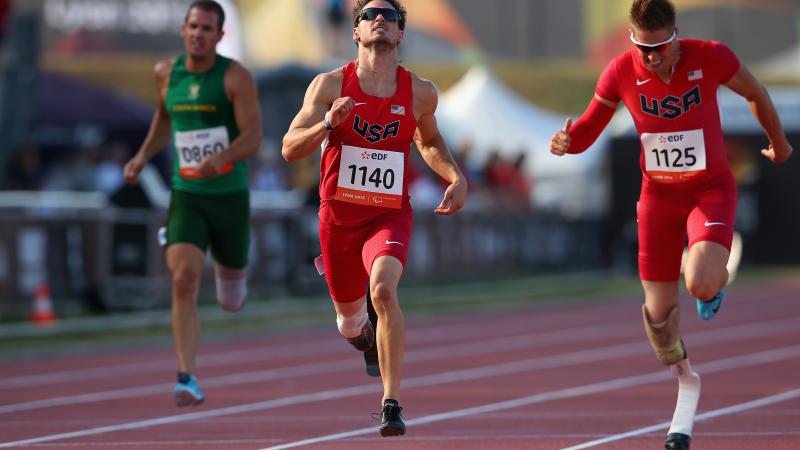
[378, 31]
[656, 57]
[200, 32]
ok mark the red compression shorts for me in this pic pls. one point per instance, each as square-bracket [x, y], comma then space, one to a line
[667, 214]
[348, 252]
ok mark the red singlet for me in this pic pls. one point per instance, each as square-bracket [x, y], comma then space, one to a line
[687, 185]
[365, 211]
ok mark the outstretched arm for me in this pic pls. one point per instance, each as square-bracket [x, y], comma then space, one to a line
[746, 85]
[307, 131]
[242, 91]
[434, 150]
[159, 133]
[577, 137]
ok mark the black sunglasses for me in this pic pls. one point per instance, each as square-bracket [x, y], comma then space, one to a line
[658, 48]
[389, 14]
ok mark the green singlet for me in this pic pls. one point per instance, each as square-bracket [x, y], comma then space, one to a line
[203, 123]
[204, 211]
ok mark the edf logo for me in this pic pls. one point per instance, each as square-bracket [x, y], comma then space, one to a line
[670, 138]
[671, 107]
[375, 132]
[374, 156]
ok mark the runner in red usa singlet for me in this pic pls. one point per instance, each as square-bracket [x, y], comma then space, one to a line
[365, 116]
[670, 85]
[365, 159]
[678, 122]
[363, 185]
[682, 158]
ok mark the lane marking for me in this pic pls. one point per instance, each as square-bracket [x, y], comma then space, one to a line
[733, 409]
[578, 391]
[466, 349]
[618, 383]
[324, 346]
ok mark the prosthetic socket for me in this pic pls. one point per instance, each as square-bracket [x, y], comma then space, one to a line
[665, 339]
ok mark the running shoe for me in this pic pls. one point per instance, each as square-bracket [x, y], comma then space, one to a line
[677, 441]
[365, 340]
[392, 420]
[707, 309]
[187, 392]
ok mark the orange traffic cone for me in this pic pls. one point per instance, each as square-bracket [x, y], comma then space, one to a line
[42, 314]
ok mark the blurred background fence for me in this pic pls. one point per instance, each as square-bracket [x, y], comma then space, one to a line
[107, 257]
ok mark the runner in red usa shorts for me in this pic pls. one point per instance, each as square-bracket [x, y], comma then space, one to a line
[364, 210]
[365, 116]
[670, 85]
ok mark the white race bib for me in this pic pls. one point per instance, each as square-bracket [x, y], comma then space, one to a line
[196, 145]
[371, 177]
[674, 157]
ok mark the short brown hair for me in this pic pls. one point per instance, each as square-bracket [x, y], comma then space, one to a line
[651, 15]
[208, 6]
[395, 4]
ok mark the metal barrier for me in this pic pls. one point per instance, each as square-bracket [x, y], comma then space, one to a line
[110, 258]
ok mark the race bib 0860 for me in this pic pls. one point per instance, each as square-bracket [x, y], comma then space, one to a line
[674, 157]
[196, 145]
[371, 177]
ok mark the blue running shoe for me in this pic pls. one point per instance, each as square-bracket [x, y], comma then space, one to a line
[187, 392]
[708, 309]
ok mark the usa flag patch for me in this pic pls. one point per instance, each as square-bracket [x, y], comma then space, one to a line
[398, 109]
[695, 74]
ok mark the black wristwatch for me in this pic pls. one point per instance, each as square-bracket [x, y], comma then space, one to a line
[327, 123]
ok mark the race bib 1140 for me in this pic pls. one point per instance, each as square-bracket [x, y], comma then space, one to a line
[674, 157]
[371, 177]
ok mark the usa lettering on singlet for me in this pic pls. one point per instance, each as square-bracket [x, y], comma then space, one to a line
[364, 165]
[678, 122]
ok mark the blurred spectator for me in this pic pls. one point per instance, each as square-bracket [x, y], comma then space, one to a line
[335, 16]
[506, 184]
[520, 185]
[5, 14]
[108, 173]
[497, 172]
[74, 173]
[268, 173]
[25, 171]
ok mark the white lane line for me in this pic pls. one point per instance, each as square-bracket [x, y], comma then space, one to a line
[578, 391]
[467, 349]
[427, 333]
[529, 341]
[325, 346]
[723, 364]
[733, 409]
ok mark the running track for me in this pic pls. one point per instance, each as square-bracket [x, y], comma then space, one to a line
[541, 378]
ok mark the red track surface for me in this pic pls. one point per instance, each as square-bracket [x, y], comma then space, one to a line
[539, 379]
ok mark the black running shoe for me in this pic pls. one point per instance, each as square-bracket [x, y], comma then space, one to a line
[371, 355]
[677, 441]
[392, 420]
[365, 340]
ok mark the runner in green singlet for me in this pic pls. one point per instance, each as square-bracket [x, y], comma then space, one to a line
[208, 105]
